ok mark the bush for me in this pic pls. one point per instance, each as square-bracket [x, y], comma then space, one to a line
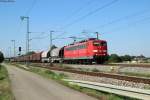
[1, 57]
[126, 58]
[114, 58]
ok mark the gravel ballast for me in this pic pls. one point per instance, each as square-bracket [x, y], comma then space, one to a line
[115, 69]
[105, 80]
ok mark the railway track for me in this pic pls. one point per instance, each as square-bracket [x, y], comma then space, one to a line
[98, 74]
[115, 64]
[131, 65]
[119, 90]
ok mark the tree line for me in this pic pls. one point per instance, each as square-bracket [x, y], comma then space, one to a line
[1, 57]
[116, 58]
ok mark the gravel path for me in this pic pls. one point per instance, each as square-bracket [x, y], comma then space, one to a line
[29, 86]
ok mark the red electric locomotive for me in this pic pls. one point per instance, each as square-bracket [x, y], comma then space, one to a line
[86, 51]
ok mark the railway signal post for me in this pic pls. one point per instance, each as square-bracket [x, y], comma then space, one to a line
[19, 51]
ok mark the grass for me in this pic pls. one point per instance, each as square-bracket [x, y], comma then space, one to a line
[47, 73]
[5, 88]
[58, 77]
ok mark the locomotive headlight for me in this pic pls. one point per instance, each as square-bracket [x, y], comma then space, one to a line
[95, 50]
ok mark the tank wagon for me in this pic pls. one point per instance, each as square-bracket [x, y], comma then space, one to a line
[45, 57]
[85, 51]
[55, 55]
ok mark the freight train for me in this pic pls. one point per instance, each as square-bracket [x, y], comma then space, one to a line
[91, 50]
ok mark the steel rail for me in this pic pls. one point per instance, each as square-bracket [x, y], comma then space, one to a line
[100, 74]
[119, 90]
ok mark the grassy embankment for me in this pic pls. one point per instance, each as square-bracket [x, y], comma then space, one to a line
[5, 88]
[58, 77]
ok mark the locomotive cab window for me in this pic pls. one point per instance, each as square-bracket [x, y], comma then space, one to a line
[103, 44]
[99, 43]
[96, 43]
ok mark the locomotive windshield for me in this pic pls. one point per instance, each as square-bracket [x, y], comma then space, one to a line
[99, 43]
[103, 44]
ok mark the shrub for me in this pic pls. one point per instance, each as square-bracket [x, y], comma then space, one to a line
[114, 58]
[1, 57]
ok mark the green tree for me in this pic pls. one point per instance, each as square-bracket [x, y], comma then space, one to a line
[114, 58]
[126, 58]
[1, 57]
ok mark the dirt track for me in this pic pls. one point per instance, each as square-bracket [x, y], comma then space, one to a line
[29, 86]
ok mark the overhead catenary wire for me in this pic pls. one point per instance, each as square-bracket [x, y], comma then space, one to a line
[47, 36]
[78, 10]
[40, 34]
[129, 25]
[31, 7]
[90, 13]
[27, 13]
[123, 18]
[87, 31]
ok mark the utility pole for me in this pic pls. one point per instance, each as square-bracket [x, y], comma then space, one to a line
[51, 40]
[97, 35]
[14, 43]
[9, 52]
[27, 37]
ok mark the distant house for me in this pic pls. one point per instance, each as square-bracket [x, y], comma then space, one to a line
[148, 60]
[139, 59]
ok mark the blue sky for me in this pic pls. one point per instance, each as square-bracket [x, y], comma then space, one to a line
[124, 24]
